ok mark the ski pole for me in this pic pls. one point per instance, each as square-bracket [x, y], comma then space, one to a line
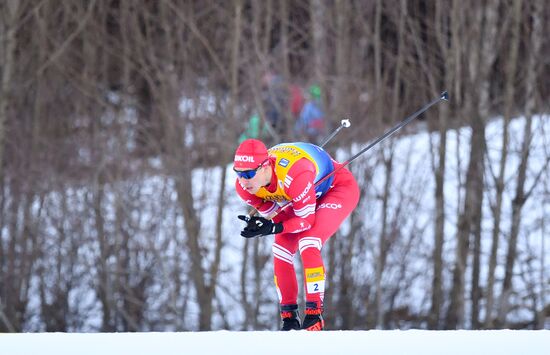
[443, 97]
[343, 124]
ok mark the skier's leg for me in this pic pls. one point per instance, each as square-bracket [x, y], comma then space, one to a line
[284, 248]
[332, 209]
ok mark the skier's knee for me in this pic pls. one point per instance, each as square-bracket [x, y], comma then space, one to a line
[310, 242]
[282, 253]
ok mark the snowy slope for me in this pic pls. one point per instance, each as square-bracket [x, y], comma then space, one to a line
[411, 342]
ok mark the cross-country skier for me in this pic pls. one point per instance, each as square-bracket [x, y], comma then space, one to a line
[268, 179]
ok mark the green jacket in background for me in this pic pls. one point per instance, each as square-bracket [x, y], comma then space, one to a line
[253, 129]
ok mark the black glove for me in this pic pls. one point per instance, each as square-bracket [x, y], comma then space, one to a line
[250, 221]
[259, 226]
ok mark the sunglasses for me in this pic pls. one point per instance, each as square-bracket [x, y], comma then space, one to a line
[249, 174]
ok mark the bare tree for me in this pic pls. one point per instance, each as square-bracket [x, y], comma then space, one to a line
[521, 194]
[447, 31]
[511, 72]
[11, 11]
[484, 29]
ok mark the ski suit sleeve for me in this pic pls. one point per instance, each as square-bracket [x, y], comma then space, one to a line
[302, 192]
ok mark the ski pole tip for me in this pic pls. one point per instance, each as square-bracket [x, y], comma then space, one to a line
[444, 96]
[345, 123]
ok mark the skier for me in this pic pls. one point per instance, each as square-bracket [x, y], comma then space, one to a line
[287, 173]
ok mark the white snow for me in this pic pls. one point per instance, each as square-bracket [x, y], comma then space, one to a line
[410, 342]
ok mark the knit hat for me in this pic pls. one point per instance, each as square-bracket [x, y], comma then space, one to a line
[250, 154]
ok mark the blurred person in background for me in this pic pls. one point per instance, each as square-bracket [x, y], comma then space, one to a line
[275, 100]
[310, 125]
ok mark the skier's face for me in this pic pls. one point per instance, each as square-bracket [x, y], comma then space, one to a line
[252, 180]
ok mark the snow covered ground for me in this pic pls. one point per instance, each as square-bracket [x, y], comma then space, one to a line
[410, 342]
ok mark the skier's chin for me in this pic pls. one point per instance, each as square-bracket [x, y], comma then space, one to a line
[252, 189]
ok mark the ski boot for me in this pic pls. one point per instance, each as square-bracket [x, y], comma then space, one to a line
[289, 315]
[313, 320]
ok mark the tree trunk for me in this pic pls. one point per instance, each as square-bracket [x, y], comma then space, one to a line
[340, 89]
[318, 9]
[374, 312]
[383, 241]
[447, 33]
[520, 195]
[480, 61]
[11, 13]
[511, 72]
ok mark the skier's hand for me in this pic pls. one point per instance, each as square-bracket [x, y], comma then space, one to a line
[259, 226]
[250, 222]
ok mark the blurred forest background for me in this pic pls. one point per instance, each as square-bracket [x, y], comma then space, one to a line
[110, 108]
